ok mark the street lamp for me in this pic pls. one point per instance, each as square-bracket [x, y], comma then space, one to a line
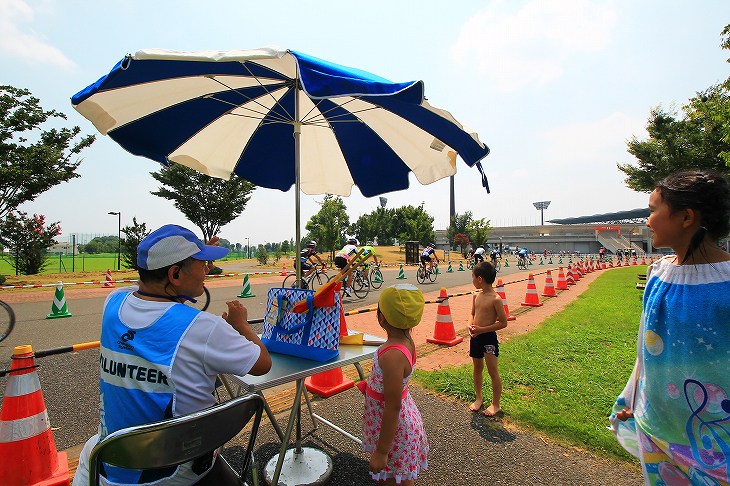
[248, 249]
[542, 206]
[119, 237]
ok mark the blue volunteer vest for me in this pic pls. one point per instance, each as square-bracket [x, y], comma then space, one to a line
[135, 365]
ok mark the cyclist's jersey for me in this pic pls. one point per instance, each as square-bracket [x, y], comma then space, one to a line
[479, 251]
[347, 251]
[522, 253]
[306, 253]
[427, 252]
[367, 250]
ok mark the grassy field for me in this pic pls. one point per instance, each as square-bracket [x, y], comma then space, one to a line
[563, 378]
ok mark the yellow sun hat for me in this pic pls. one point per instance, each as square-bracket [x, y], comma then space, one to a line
[402, 305]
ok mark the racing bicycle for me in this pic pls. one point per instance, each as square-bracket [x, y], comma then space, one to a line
[522, 262]
[315, 280]
[360, 282]
[424, 273]
[7, 320]
[376, 277]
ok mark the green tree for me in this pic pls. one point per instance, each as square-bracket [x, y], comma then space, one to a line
[28, 240]
[132, 236]
[413, 224]
[262, 255]
[377, 224]
[699, 137]
[29, 168]
[208, 202]
[285, 246]
[329, 225]
[459, 225]
[478, 231]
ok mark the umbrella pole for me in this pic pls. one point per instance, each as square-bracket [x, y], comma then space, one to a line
[297, 155]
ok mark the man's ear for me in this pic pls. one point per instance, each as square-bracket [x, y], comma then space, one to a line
[173, 273]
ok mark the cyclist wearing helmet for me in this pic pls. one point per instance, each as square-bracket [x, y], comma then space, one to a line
[343, 256]
[479, 254]
[307, 255]
[427, 253]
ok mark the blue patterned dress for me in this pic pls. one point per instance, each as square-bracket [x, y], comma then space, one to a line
[681, 382]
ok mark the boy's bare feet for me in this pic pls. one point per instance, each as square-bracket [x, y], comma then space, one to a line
[474, 407]
[491, 411]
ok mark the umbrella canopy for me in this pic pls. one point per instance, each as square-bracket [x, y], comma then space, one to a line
[277, 118]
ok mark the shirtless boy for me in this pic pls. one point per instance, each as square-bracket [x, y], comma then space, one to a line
[487, 317]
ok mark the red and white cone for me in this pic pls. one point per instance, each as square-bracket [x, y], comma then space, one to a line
[562, 283]
[569, 276]
[531, 298]
[444, 332]
[330, 382]
[549, 290]
[500, 292]
[27, 448]
[109, 284]
[283, 273]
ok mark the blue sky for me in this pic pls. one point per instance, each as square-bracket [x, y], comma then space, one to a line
[554, 88]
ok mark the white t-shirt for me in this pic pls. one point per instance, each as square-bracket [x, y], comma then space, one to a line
[479, 251]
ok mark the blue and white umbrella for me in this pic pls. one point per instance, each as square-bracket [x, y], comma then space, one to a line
[278, 118]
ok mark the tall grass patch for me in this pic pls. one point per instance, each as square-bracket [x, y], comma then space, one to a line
[563, 377]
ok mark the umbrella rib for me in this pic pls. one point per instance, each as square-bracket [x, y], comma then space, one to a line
[269, 112]
[245, 65]
[261, 116]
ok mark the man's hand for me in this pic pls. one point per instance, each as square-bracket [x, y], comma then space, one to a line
[237, 315]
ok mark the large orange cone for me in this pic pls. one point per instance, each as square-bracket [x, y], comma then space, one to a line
[27, 448]
[500, 292]
[283, 273]
[562, 283]
[531, 297]
[549, 290]
[331, 382]
[444, 332]
[575, 272]
[109, 284]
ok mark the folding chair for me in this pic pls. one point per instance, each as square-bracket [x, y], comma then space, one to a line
[174, 441]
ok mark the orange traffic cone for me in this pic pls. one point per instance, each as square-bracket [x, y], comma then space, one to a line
[27, 448]
[575, 273]
[562, 283]
[634, 262]
[444, 332]
[569, 276]
[531, 297]
[500, 292]
[283, 273]
[331, 382]
[549, 290]
[109, 284]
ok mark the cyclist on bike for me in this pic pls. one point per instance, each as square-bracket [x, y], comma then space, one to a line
[343, 256]
[427, 253]
[479, 254]
[307, 255]
[522, 254]
[368, 250]
[494, 256]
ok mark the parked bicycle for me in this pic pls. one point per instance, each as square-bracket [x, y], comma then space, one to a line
[314, 281]
[424, 273]
[7, 320]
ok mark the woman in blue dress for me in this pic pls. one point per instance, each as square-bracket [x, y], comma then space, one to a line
[674, 413]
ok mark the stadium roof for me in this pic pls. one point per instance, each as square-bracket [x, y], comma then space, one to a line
[631, 216]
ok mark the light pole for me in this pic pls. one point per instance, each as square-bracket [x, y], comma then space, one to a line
[119, 237]
[542, 206]
[248, 249]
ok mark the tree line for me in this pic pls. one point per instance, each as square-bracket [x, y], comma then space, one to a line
[34, 159]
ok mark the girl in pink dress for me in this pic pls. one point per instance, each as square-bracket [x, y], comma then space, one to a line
[392, 426]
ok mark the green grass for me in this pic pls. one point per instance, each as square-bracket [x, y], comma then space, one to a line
[563, 378]
[84, 262]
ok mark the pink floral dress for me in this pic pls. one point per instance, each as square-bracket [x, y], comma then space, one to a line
[409, 452]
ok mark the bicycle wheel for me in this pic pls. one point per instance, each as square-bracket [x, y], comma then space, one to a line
[7, 320]
[202, 302]
[360, 285]
[290, 282]
[432, 274]
[421, 274]
[318, 279]
[376, 278]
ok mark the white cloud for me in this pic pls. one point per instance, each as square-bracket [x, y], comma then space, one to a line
[532, 45]
[17, 38]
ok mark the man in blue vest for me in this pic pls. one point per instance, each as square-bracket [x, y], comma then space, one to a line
[160, 358]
